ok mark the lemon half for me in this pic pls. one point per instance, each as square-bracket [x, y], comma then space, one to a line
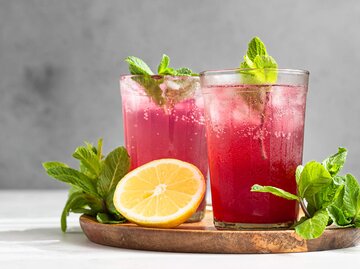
[162, 193]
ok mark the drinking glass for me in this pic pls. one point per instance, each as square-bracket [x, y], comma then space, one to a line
[163, 117]
[255, 135]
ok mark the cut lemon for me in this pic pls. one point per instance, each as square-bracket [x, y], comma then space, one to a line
[162, 193]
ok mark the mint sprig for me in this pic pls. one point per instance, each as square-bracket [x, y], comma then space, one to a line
[151, 83]
[164, 69]
[324, 196]
[93, 184]
[138, 66]
[258, 68]
[152, 88]
[257, 58]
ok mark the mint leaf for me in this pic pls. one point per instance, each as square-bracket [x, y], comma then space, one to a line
[313, 227]
[324, 197]
[248, 63]
[298, 172]
[99, 149]
[351, 199]
[74, 178]
[335, 162]
[83, 168]
[339, 180]
[152, 88]
[256, 47]
[89, 160]
[138, 66]
[74, 200]
[108, 219]
[164, 68]
[184, 71]
[74, 189]
[346, 203]
[314, 177]
[164, 64]
[110, 204]
[274, 191]
[338, 217]
[257, 58]
[49, 165]
[266, 63]
[116, 165]
[168, 72]
[77, 201]
[91, 147]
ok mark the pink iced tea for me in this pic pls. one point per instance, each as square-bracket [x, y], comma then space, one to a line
[166, 124]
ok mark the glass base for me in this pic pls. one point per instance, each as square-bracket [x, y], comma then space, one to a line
[221, 225]
[197, 216]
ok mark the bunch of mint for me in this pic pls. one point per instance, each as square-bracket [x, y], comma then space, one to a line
[325, 197]
[93, 185]
[151, 82]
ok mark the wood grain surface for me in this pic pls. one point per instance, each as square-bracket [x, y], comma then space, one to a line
[202, 237]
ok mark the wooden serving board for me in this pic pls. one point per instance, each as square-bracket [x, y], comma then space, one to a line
[202, 237]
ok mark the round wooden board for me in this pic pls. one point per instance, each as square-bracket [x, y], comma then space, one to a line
[202, 237]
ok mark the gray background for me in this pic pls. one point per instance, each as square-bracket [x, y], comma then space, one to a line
[60, 62]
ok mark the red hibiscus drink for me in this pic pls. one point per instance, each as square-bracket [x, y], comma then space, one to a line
[255, 136]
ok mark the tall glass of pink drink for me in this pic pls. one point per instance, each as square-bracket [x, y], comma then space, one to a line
[255, 136]
[164, 118]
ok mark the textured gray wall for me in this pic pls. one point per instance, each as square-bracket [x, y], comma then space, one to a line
[60, 62]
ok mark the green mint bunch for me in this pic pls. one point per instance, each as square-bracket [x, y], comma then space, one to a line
[257, 58]
[151, 82]
[93, 184]
[325, 196]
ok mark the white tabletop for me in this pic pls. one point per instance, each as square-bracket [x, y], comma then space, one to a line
[30, 237]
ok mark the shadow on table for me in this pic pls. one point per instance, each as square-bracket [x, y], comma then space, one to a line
[46, 239]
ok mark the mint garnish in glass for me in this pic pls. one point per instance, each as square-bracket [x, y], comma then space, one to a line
[152, 82]
[260, 69]
[257, 58]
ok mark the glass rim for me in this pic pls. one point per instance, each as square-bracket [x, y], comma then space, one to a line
[156, 76]
[230, 71]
